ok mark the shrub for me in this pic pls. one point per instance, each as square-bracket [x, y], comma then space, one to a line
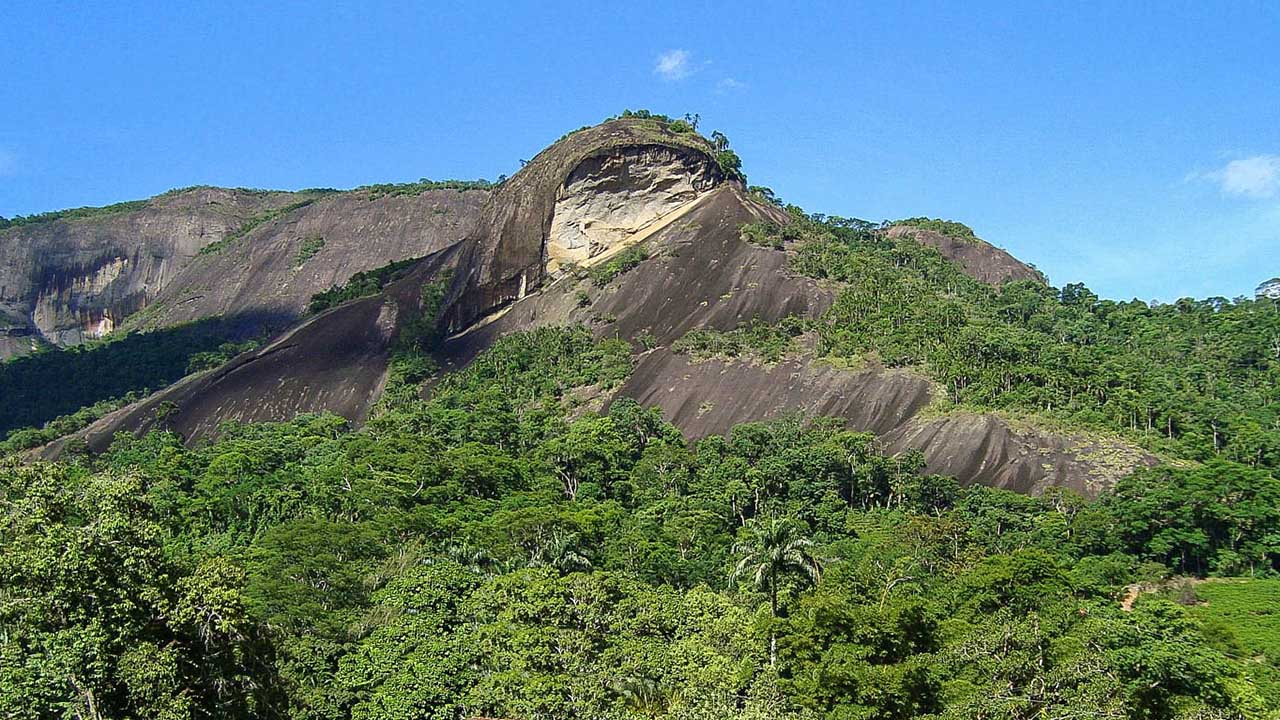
[308, 249]
[949, 228]
[603, 274]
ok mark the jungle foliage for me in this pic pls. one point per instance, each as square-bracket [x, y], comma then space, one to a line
[39, 387]
[381, 190]
[495, 551]
[504, 546]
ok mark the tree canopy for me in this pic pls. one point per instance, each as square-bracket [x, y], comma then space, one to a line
[495, 551]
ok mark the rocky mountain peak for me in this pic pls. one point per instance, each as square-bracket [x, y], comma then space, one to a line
[574, 202]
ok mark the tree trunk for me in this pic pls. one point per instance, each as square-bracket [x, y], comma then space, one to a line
[773, 617]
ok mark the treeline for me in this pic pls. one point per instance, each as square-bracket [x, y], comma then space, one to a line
[373, 192]
[89, 212]
[495, 551]
[942, 227]
[79, 213]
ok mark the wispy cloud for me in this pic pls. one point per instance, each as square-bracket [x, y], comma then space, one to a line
[673, 65]
[1254, 177]
[729, 84]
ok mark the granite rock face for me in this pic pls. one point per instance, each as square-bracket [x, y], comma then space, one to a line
[607, 199]
[980, 259]
[276, 267]
[508, 254]
[66, 281]
[333, 362]
[524, 262]
[182, 258]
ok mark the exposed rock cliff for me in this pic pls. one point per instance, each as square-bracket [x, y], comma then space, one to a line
[197, 253]
[336, 362]
[275, 268]
[607, 199]
[509, 253]
[597, 193]
[65, 281]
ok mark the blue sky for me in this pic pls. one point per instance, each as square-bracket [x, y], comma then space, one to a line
[1134, 148]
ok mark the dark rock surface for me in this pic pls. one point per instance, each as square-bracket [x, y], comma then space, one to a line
[980, 259]
[507, 254]
[265, 270]
[990, 450]
[699, 275]
[66, 281]
[711, 396]
[335, 362]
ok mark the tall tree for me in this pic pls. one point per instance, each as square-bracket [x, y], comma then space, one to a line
[774, 549]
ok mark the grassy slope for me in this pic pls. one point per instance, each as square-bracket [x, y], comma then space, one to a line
[1243, 617]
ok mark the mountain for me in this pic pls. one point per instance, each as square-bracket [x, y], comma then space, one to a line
[255, 256]
[621, 436]
[548, 247]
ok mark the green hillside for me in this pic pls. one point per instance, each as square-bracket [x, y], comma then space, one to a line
[493, 551]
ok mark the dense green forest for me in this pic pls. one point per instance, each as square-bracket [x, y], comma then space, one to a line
[43, 386]
[495, 551]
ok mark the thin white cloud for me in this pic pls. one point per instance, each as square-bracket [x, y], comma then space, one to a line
[728, 84]
[1254, 177]
[673, 65]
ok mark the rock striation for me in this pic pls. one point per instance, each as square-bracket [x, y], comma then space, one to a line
[65, 281]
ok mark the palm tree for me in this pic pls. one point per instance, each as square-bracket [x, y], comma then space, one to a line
[558, 551]
[643, 696]
[774, 549]
[472, 557]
